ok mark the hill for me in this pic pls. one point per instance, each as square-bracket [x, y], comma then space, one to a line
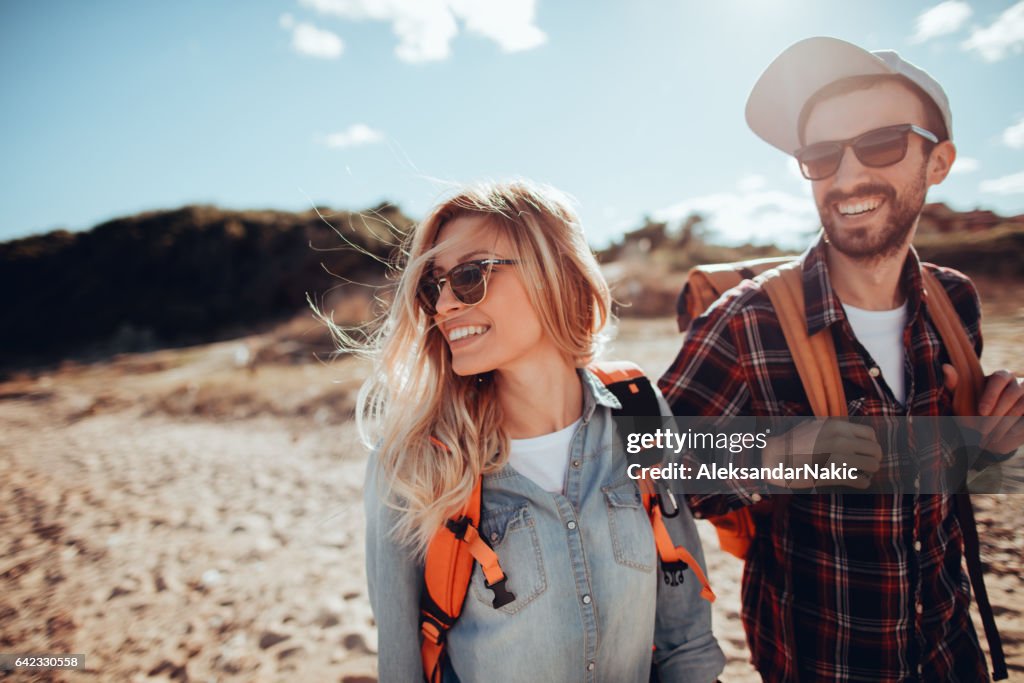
[185, 276]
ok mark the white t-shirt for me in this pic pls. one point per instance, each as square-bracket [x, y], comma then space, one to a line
[544, 459]
[881, 333]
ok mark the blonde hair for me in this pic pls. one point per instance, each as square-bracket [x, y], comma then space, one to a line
[413, 399]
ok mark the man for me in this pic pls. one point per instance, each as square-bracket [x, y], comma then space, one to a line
[850, 587]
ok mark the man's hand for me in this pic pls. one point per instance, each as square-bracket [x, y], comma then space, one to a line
[1002, 405]
[825, 441]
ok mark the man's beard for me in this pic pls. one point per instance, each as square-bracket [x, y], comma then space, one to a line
[859, 243]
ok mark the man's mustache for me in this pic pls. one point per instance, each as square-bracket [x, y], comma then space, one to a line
[865, 190]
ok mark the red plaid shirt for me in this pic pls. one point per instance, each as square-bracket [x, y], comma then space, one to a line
[849, 587]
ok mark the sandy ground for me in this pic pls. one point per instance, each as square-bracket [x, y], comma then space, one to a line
[191, 516]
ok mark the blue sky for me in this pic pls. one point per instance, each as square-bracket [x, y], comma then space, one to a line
[634, 108]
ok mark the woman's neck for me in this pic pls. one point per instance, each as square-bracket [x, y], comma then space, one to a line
[540, 397]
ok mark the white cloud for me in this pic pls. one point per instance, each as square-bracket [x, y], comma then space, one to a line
[509, 24]
[309, 40]
[355, 135]
[1008, 184]
[1014, 135]
[425, 28]
[1004, 37]
[965, 165]
[943, 19]
[751, 183]
[759, 217]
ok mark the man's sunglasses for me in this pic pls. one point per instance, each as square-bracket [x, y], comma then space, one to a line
[875, 148]
[468, 282]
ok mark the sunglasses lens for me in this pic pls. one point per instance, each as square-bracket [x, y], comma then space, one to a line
[428, 294]
[467, 282]
[820, 160]
[882, 147]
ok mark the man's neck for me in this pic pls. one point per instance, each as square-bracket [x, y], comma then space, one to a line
[873, 285]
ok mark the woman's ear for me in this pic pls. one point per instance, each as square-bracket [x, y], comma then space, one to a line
[940, 162]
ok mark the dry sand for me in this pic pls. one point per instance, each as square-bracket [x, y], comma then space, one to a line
[192, 515]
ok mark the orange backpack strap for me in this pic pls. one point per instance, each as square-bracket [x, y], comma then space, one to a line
[448, 568]
[615, 371]
[630, 385]
[674, 558]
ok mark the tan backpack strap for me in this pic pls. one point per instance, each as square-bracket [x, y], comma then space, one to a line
[971, 378]
[814, 356]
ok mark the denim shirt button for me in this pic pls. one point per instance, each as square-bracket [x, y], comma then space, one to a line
[590, 666]
[494, 536]
[571, 525]
[586, 599]
[576, 464]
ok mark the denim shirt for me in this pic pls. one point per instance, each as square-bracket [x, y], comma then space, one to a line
[590, 599]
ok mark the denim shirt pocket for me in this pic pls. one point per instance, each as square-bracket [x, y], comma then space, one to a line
[512, 533]
[631, 534]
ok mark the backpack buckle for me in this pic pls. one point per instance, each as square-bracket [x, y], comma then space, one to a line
[502, 595]
[673, 509]
[458, 527]
[433, 630]
[673, 572]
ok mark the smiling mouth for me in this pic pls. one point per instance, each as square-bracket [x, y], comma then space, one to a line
[467, 332]
[859, 207]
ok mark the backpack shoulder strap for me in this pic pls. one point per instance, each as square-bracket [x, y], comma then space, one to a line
[448, 568]
[635, 392]
[971, 378]
[630, 385]
[814, 356]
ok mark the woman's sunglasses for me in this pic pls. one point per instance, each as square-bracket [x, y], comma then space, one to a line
[875, 148]
[468, 282]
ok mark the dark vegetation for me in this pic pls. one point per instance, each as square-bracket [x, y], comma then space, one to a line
[179, 277]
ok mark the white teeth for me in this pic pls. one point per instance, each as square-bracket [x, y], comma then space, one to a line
[859, 207]
[462, 332]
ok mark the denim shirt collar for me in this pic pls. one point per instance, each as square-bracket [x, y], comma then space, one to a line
[595, 394]
[821, 303]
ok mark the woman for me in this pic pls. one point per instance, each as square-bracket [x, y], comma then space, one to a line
[480, 372]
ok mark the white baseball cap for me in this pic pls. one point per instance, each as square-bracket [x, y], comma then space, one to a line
[805, 67]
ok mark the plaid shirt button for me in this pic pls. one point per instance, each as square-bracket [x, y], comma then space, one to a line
[874, 372]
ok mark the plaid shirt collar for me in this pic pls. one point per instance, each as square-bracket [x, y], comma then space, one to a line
[821, 302]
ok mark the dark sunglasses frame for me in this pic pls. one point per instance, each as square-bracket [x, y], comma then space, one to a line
[832, 151]
[428, 292]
